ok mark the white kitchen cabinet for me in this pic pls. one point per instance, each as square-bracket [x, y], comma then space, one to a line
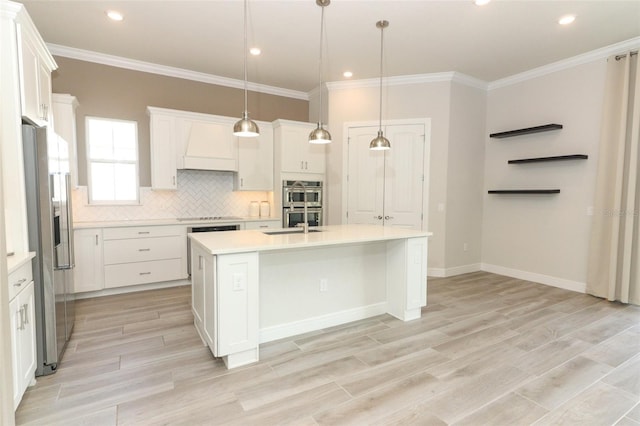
[144, 254]
[163, 150]
[255, 161]
[88, 274]
[64, 123]
[36, 64]
[263, 224]
[386, 187]
[293, 152]
[230, 329]
[23, 338]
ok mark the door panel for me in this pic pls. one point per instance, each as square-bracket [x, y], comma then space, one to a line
[403, 183]
[365, 187]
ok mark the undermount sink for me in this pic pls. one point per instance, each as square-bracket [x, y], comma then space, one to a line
[288, 231]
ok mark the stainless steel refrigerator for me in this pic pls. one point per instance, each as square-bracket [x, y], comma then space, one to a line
[46, 165]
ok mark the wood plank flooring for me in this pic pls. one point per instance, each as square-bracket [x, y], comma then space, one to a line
[488, 350]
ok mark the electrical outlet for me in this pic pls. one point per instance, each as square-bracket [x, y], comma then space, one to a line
[590, 211]
[237, 282]
[324, 284]
[465, 247]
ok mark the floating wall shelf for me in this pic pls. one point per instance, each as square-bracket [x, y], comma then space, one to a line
[554, 158]
[528, 130]
[524, 191]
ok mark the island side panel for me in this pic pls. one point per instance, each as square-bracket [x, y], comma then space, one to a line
[303, 290]
[406, 277]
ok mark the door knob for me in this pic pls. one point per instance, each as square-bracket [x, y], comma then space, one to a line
[388, 217]
[379, 217]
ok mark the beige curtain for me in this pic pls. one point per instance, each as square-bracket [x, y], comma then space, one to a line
[614, 252]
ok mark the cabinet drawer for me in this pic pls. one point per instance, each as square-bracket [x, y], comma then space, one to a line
[127, 274]
[143, 232]
[19, 279]
[143, 249]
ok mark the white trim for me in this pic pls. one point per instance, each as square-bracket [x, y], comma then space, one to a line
[295, 328]
[130, 289]
[132, 64]
[456, 270]
[535, 277]
[410, 79]
[591, 56]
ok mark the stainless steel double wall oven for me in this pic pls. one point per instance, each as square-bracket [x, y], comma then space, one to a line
[293, 203]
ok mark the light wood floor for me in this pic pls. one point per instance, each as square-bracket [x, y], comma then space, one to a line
[488, 350]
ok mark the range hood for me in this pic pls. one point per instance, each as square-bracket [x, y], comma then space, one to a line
[209, 146]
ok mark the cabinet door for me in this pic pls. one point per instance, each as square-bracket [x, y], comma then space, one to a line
[314, 158]
[27, 337]
[197, 287]
[255, 162]
[365, 180]
[163, 152]
[293, 140]
[29, 72]
[403, 176]
[16, 331]
[44, 91]
[88, 275]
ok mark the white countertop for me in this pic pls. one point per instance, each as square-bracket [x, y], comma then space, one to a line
[18, 259]
[253, 240]
[165, 222]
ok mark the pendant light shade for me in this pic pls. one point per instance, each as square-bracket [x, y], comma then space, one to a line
[380, 143]
[245, 127]
[319, 135]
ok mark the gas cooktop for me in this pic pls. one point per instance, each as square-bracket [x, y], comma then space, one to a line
[186, 219]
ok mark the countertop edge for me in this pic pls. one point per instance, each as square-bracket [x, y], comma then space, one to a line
[165, 222]
[15, 261]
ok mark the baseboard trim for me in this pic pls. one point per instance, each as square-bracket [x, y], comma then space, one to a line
[456, 270]
[535, 277]
[130, 289]
[276, 332]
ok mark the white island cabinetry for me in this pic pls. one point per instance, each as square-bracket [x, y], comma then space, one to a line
[301, 282]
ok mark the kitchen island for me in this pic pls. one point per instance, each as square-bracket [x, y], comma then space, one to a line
[251, 287]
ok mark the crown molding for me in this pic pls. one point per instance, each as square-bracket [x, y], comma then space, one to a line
[585, 58]
[132, 64]
[410, 79]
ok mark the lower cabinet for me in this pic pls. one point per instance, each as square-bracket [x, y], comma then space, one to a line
[263, 224]
[23, 344]
[231, 328]
[88, 274]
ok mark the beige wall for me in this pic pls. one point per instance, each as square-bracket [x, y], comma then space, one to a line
[112, 92]
[425, 100]
[543, 235]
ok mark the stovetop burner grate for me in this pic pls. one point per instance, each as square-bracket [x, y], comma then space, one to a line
[185, 219]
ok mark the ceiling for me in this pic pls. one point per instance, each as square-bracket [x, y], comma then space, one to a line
[490, 42]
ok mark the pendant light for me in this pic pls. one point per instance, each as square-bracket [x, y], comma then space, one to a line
[319, 135]
[380, 143]
[245, 127]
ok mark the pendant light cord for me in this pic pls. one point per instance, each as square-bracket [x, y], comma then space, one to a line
[245, 57]
[320, 65]
[381, 56]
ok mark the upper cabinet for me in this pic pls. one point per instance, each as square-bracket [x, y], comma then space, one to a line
[35, 64]
[255, 161]
[64, 122]
[293, 152]
[163, 150]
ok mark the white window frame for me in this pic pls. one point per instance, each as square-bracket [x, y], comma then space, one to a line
[136, 162]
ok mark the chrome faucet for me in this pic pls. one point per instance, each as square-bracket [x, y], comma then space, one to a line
[305, 225]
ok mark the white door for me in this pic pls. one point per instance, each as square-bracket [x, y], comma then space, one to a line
[365, 178]
[403, 183]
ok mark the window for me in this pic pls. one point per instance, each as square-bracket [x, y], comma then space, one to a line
[112, 161]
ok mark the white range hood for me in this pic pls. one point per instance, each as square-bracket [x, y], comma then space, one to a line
[209, 146]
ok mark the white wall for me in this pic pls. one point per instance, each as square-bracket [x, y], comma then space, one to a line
[423, 100]
[543, 238]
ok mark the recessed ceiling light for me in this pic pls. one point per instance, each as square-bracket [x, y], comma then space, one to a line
[348, 74]
[481, 2]
[255, 51]
[566, 19]
[114, 15]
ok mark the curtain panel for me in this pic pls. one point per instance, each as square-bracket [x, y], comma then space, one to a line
[614, 252]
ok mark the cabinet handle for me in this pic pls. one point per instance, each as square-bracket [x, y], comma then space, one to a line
[145, 273]
[21, 311]
[241, 182]
[200, 263]
[20, 282]
[174, 180]
[302, 165]
[96, 239]
[144, 249]
[306, 165]
[26, 317]
[264, 226]
[143, 232]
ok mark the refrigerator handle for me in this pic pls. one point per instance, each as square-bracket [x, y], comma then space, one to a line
[72, 255]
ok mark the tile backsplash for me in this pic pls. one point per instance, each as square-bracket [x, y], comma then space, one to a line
[199, 193]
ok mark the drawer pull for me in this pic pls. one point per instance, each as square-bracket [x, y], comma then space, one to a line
[143, 232]
[146, 249]
[20, 282]
[145, 273]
